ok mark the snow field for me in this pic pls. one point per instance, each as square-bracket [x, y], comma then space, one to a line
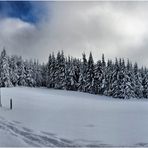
[80, 118]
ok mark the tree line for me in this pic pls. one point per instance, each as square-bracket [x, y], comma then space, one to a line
[118, 79]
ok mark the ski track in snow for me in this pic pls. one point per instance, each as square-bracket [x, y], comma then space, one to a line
[43, 138]
[47, 139]
[32, 138]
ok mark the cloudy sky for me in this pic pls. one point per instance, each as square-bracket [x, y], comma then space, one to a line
[35, 29]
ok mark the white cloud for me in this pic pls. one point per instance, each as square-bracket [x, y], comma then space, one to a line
[113, 28]
[116, 29]
[12, 26]
[15, 35]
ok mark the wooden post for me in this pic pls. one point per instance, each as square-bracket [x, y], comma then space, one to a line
[10, 103]
[0, 97]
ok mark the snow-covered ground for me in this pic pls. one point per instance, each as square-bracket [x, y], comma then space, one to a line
[46, 117]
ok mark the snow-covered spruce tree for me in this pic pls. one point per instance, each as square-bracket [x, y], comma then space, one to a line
[115, 83]
[34, 72]
[98, 78]
[100, 83]
[4, 68]
[67, 71]
[44, 75]
[90, 75]
[144, 74]
[83, 74]
[13, 70]
[52, 79]
[103, 62]
[38, 74]
[49, 71]
[126, 90]
[70, 75]
[108, 78]
[60, 71]
[76, 69]
[103, 87]
[29, 73]
[138, 88]
[129, 81]
[121, 84]
[21, 72]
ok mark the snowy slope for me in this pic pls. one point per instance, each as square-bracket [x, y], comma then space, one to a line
[46, 117]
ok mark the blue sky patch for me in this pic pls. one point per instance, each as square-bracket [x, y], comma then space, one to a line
[25, 10]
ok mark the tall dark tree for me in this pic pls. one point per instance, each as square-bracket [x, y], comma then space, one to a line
[98, 78]
[83, 74]
[138, 88]
[144, 73]
[4, 68]
[71, 82]
[13, 70]
[21, 72]
[90, 75]
[115, 83]
[44, 74]
[60, 71]
[49, 71]
[108, 78]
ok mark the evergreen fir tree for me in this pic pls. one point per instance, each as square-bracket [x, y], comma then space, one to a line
[115, 84]
[13, 70]
[98, 78]
[49, 64]
[90, 75]
[60, 71]
[43, 72]
[53, 72]
[129, 83]
[29, 73]
[144, 73]
[38, 74]
[109, 70]
[21, 72]
[4, 67]
[71, 83]
[138, 88]
[83, 74]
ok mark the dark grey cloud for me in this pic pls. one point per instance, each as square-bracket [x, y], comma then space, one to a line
[113, 28]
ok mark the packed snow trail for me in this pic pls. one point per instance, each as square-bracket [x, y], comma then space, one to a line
[29, 137]
[22, 136]
[66, 118]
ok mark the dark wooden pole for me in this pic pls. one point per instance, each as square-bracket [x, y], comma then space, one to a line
[10, 103]
[0, 97]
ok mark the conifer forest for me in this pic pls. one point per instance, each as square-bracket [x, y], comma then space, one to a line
[118, 79]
